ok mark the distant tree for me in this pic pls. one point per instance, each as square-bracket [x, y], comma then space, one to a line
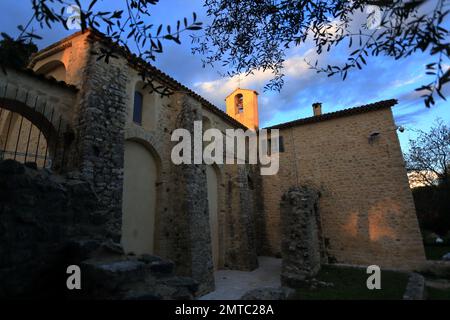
[429, 155]
[249, 35]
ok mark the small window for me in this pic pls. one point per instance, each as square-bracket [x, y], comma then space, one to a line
[239, 102]
[269, 146]
[281, 144]
[137, 111]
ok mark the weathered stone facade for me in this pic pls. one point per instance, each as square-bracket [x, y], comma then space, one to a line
[366, 209]
[300, 244]
[194, 202]
[100, 131]
[49, 222]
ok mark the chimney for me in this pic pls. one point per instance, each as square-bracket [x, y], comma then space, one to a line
[317, 108]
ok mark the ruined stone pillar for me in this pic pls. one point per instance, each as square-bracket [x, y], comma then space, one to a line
[101, 124]
[193, 195]
[247, 256]
[300, 245]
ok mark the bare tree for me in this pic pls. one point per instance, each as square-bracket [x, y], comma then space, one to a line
[428, 158]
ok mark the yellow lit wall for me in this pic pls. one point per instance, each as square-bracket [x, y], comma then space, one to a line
[249, 114]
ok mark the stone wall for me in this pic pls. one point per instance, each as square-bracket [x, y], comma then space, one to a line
[192, 196]
[366, 207]
[40, 215]
[300, 244]
[73, 52]
[235, 198]
[239, 223]
[100, 131]
[48, 105]
[48, 222]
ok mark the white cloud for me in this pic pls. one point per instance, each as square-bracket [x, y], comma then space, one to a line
[294, 67]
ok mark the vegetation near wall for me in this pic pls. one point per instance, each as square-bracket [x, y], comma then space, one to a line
[433, 209]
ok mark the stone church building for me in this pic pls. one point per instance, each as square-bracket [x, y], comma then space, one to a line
[76, 114]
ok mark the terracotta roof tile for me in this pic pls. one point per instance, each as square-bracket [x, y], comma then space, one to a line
[337, 114]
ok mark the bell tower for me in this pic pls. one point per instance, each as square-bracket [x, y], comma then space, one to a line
[242, 105]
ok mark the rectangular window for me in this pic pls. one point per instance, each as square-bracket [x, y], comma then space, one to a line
[137, 110]
[281, 144]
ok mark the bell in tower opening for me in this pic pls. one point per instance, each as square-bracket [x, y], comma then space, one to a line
[242, 105]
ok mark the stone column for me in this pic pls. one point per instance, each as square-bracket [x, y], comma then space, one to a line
[300, 245]
[193, 197]
[101, 124]
[247, 252]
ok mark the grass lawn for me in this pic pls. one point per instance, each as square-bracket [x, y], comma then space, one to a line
[438, 294]
[436, 252]
[350, 283]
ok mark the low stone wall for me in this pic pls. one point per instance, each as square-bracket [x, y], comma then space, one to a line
[300, 247]
[415, 290]
[48, 222]
[436, 269]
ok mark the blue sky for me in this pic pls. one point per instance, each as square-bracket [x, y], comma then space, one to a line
[383, 78]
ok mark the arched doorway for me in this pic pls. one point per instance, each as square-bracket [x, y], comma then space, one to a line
[213, 197]
[21, 140]
[139, 199]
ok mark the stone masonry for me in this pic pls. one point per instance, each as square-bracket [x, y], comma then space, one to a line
[48, 222]
[366, 208]
[101, 124]
[300, 246]
[193, 199]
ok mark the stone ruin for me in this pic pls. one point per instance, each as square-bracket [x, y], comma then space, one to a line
[301, 236]
[48, 222]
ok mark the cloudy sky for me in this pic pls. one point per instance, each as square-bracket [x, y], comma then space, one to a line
[382, 79]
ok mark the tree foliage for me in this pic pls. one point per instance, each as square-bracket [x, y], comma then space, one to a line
[16, 53]
[249, 35]
[129, 22]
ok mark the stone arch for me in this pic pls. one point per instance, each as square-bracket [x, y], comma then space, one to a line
[22, 125]
[142, 169]
[149, 112]
[49, 106]
[213, 179]
[53, 68]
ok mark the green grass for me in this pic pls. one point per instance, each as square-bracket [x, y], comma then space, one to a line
[350, 283]
[436, 252]
[438, 294]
